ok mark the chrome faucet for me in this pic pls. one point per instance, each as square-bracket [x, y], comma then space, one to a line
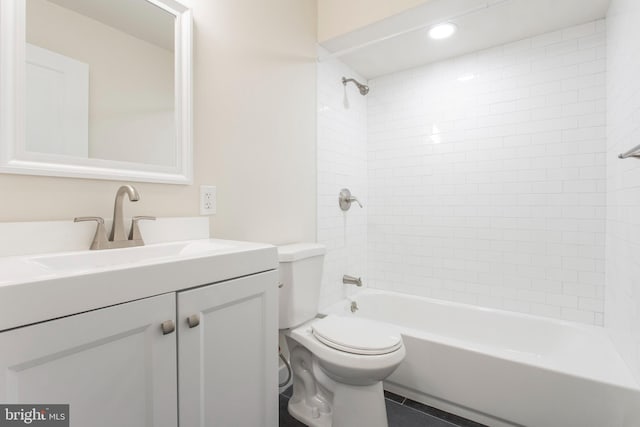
[117, 229]
[118, 238]
[350, 280]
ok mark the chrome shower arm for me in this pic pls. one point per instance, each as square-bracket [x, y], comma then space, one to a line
[364, 89]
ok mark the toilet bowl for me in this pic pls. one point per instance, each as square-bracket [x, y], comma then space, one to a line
[338, 362]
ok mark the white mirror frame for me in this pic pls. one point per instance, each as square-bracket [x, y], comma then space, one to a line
[15, 159]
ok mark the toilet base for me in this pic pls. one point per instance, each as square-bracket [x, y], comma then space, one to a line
[359, 406]
[352, 406]
[320, 401]
[307, 415]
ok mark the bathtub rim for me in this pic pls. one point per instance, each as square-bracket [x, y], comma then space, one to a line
[629, 382]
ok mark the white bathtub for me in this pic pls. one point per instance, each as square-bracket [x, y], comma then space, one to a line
[501, 368]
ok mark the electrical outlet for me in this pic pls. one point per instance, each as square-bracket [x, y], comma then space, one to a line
[207, 200]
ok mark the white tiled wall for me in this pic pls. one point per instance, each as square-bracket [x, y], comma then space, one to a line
[623, 180]
[342, 163]
[487, 177]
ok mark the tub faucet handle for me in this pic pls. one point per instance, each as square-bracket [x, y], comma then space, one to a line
[345, 199]
[350, 280]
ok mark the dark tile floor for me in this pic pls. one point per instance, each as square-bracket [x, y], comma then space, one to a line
[401, 412]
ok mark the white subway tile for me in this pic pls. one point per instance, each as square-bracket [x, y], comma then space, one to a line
[546, 39]
[489, 193]
[578, 315]
[569, 301]
[591, 304]
[563, 47]
[546, 310]
[597, 66]
[579, 31]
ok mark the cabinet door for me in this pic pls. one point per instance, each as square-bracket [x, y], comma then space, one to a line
[228, 363]
[113, 366]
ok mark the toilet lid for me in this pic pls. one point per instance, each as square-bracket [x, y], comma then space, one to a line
[355, 335]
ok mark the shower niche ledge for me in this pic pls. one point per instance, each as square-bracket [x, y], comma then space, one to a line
[120, 332]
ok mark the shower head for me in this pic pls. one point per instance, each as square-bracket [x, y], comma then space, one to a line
[364, 89]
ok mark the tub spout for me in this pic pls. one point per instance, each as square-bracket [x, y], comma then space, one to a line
[350, 280]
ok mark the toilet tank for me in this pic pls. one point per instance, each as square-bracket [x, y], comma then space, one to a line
[300, 278]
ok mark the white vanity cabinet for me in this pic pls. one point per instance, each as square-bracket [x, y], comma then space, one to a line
[228, 353]
[116, 366]
[113, 366]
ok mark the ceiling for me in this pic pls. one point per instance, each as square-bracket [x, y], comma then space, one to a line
[139, 18]
[401, 42]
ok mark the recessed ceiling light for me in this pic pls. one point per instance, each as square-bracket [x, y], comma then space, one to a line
[442, 31]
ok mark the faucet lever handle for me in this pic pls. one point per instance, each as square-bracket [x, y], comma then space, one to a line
[143, 218]
[89, 218]
[355, 199]
[100, 240]
[135, 234]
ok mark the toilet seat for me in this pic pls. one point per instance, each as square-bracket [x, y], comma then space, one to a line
[346, 366]
[356, 335]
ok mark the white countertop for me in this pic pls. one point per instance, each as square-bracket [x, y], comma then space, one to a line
[35, 288]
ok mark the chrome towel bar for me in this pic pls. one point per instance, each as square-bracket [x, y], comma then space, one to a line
[634, 152]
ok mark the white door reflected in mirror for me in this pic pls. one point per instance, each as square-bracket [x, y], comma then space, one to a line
[102, 89]
[57, 105]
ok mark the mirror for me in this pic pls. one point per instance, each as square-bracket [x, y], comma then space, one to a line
[96, 89]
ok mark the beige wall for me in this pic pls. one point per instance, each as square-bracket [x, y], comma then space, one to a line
[338, 17]
[254, 102]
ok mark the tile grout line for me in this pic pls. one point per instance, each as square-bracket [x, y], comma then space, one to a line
[402, 403]
[425, 413]
[452, 422]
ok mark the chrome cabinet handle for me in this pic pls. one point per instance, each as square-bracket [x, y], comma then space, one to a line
[193, 320]
[167, 327]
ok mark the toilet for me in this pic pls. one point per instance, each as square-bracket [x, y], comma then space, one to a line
[338, 361]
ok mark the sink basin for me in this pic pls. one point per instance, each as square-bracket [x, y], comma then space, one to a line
[113, 258]
[16, 269]
[57, 284]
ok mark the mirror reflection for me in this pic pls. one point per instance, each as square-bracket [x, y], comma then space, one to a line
[100, 80]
